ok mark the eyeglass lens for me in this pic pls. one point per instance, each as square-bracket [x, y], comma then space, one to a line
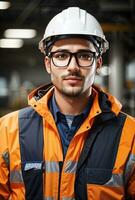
[63, 58]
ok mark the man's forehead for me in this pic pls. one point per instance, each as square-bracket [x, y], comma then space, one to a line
[73, 43]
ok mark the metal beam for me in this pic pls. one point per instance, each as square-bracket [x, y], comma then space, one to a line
[111, 27]
[27, 11]
[113, 6]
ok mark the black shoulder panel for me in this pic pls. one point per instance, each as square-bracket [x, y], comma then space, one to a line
[31, 147]
[99, 153]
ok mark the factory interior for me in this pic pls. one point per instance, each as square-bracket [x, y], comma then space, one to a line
[22, 66]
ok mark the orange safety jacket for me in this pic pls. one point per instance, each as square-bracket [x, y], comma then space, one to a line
[100, 160]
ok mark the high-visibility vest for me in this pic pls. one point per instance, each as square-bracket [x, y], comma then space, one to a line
[95, 163]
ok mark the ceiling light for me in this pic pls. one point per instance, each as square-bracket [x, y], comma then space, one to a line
[20, 33]
[130, 71]
[4, 5]
[11, 43]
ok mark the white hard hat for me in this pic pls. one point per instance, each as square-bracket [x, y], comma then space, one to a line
[74, 21]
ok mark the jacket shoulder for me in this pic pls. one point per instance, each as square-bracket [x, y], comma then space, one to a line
[129, 126]
[12, 117]
[129, 118]
[27, 112]
[9, 116]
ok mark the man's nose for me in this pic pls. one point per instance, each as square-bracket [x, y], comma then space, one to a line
[73, 64]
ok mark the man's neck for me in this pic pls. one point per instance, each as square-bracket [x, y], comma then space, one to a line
[72, 105]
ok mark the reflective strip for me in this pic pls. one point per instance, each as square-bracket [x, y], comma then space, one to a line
[51, 166]
[116, 180]
[35, 165]
[63, 198]
[5, 156]
[129, 167]
[16, 176]
[70, 167]
[119, 180]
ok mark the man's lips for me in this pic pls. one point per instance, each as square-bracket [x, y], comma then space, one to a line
[73, 79]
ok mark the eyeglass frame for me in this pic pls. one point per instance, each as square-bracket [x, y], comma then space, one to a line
[50, 55]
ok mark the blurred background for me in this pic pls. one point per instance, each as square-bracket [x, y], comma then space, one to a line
[22, 25]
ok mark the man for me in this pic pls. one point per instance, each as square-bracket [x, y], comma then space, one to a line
[73, 141]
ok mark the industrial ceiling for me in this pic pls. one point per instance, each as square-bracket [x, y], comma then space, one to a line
[115, 16]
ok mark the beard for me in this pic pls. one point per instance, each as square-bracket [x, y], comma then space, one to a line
[71, 90]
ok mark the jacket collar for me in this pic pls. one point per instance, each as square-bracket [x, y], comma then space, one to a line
[103, 102]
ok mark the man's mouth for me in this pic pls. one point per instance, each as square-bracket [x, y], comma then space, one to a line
[73, 80]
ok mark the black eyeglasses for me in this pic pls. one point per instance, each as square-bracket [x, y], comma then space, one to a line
[84, 58]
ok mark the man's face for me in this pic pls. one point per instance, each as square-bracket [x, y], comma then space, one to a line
[72, 80]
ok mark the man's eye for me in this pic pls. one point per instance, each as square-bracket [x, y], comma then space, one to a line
[61, 55]
[85, 56]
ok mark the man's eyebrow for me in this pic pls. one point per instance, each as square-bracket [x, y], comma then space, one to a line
[65, 50]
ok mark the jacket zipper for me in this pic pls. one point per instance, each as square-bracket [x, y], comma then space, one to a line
[60, 167]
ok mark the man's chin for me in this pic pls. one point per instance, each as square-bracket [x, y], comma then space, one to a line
[72, 92]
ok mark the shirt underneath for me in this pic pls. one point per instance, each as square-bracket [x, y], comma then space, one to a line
[67, 124]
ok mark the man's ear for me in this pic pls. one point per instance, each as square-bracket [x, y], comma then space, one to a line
[99, 64]
[47, 62]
